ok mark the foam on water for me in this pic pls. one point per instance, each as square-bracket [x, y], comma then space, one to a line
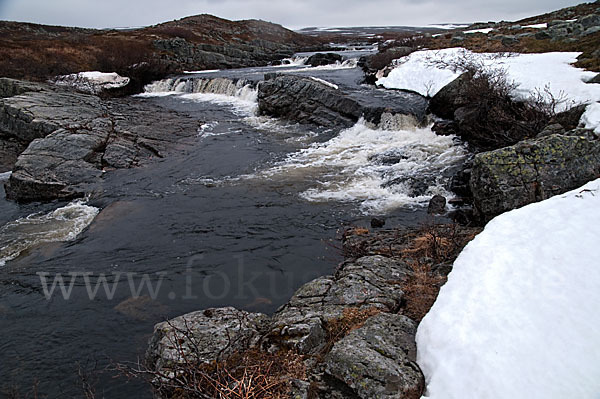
[62, 224]
[381, 169]
[347, 64]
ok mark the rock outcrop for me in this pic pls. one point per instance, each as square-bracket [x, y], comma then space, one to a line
[66, 139]
[219, 332]
[306, 100]
[324, 59]
[378, 360]
[532, 170]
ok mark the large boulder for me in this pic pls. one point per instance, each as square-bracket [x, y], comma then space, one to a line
[92, 82]
[324, 59]
[531, 171]
[307, 100]
[203, 337]
[378, 360]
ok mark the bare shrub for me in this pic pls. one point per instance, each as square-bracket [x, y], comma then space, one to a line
[420, 290]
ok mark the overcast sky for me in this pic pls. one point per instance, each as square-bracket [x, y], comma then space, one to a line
[290, 13]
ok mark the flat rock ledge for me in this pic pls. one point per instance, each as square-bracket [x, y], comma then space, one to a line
[63, 141]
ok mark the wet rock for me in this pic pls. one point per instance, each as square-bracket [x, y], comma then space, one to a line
[203, 336]
[377, 223]
[366, 282]
[531, 171]
[308, 101]
[437, 205]
[378, 359]
[323, 59]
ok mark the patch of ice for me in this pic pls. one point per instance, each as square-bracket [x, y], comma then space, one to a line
[5, 176]
[519, 315]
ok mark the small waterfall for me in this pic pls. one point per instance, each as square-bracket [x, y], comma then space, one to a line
[243, 89]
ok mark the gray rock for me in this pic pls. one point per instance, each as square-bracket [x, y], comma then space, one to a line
[437, 205]
[595, 79]
[203, 337]
[555, 128]
[323, 59]
[308, 101]
[378, 359]
[449, 98]
[13, 87]
[367, 282]
[531, 171]
[589, 21]
[509, 40]
[71, 137]
[542, 35]
[591, 31]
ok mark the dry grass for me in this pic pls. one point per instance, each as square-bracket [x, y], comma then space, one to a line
[433, 244]
[352, 318]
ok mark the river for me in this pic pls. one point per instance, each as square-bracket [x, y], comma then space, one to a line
[243, 215]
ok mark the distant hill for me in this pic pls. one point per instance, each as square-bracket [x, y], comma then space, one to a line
[198, 42]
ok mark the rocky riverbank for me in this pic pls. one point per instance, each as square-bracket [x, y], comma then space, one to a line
[62, 141]
[352, 333]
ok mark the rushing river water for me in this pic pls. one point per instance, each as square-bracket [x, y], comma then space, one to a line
[241, 216]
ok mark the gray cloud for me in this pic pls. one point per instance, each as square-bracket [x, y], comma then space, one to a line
[290, 13]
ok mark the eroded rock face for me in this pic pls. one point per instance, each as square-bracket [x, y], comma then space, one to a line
[532, 170]
[378, 360]
[371, 281]
[203, 337]
[306, 100]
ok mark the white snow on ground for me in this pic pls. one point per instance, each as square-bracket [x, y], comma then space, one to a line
[92, 82]
[519, 315]
[534, 73]
[5, 176]
[486, 30]
[537, 26]
[591, 117]
[326, 83]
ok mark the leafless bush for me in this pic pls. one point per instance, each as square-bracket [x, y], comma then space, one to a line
[248, 374]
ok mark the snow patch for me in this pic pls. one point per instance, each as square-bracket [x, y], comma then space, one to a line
[519, 315]
[326, 83]
[5, 176]
[486, 31]
[547, 74]
[537, 26]
[93, 82]
[591, 118]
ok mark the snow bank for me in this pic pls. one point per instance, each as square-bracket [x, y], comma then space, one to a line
[326, 83]
[519, 315]
[550, 74]
[92, 82]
